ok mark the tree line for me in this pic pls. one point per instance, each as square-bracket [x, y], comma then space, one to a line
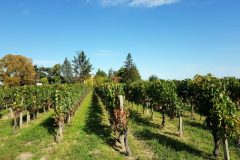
[18, 70]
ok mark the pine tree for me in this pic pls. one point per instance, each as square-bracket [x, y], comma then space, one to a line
[81, 66]
[101, 73]
[110, 73]
[130, 71]
[67, 71]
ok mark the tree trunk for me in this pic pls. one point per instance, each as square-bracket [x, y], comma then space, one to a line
[28, 117]
[226, 149]
[15, 122]
[216, 147]
[143, 109]
[59, 132]
[121, 140]
[10, 113]
[44, 109]
[180, 127]
[163, 119]
[34, 115]
[48, 106]
[37, 114]
[20, 120]
[128, 152]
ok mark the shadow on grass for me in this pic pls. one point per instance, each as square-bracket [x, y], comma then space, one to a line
[172, 134]
[176, 145]
[137, 118]
[94, 121]
[49, 125]
[196, 125]
[95, 126]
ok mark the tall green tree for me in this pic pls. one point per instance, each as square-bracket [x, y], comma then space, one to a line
[54, 76]
[67, 71]
[56, 70]
[130, 71]
[153, 78]
[100, 77]
[40, 72]
[110, 73]
[101, 73]
[81, 66]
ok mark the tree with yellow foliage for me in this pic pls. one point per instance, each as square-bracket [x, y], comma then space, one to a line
[17, 70]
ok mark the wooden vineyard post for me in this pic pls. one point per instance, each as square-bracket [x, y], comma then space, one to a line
[192, 111]
[151, 112]
[123, 137]
[226, 149]
[238, 145]
[148, 104]
[44, 108]
[20, 120]
[28, 117]
[10, 113]
[180, 127]
[69, 118]
[37, 114]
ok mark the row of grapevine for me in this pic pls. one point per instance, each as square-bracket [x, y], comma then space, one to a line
[29, 100]
[108, 93]
[213, 101]
[213, 98]
[110, 96]
[67, 99]
[159, 95]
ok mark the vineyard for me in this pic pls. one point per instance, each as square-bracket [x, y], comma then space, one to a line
[28, 101]
[188, 119]
[217, 100]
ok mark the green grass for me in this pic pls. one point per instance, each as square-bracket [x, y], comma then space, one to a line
[32, 138]
[3, 112]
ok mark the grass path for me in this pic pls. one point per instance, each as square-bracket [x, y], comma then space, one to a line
[87, 135]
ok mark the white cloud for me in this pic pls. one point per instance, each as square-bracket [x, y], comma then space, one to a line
[151, 3]
[137, 3]
[113, 2]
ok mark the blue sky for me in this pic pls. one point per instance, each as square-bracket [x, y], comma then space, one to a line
[174, 39]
